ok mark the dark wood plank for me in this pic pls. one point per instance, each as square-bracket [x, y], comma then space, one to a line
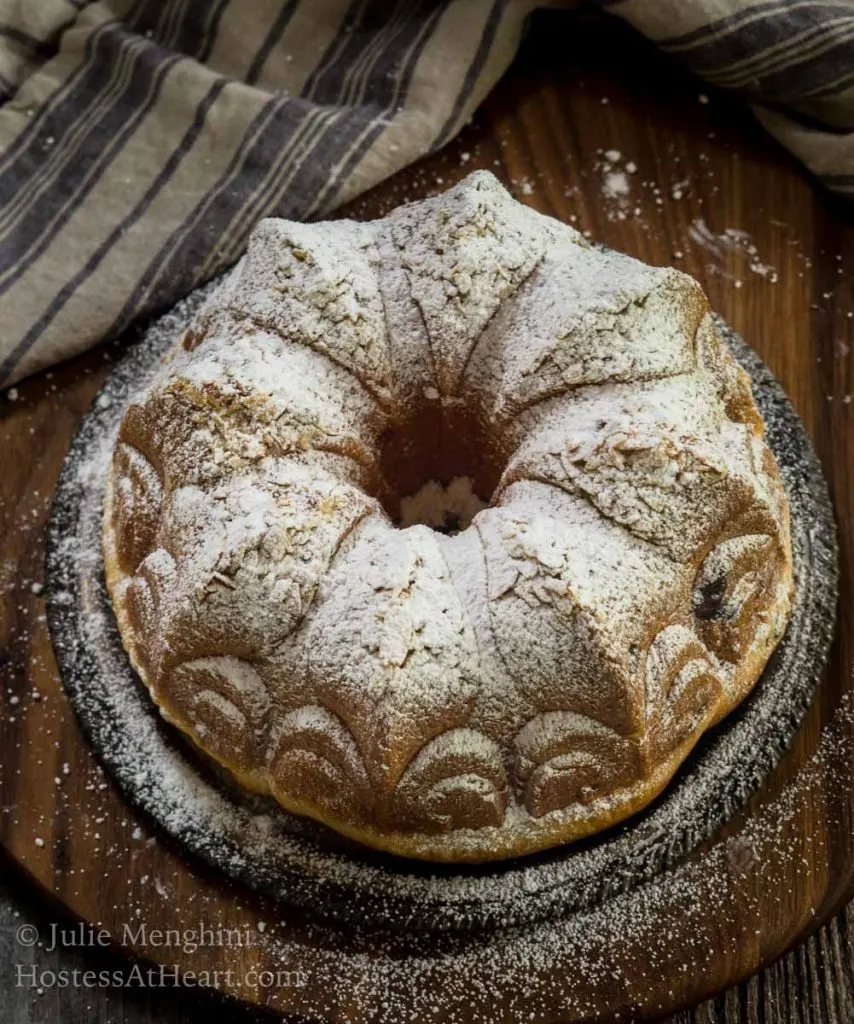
[705, 191]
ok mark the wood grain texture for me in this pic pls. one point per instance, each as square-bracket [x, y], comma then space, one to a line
[812, 985]
[707, 193]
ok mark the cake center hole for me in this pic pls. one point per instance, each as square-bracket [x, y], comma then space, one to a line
[445, 508]
[439, 466]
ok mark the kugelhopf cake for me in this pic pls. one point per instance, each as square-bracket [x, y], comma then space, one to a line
[531, 677]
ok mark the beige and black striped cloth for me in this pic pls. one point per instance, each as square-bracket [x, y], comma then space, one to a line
[140, 140]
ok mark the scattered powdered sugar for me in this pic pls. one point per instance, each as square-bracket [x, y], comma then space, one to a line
[618, 199]
[730, 240]
[528, 972]
[615, 184]
[448, 509]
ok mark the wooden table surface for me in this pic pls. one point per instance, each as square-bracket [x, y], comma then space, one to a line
[592, 126]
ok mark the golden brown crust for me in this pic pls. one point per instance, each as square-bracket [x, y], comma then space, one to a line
[494, 843]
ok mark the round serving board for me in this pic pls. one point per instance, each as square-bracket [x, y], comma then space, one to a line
[765, 247]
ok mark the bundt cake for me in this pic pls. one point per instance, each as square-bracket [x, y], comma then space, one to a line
[613, 576]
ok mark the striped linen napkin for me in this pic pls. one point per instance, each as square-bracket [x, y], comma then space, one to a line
[140, 140]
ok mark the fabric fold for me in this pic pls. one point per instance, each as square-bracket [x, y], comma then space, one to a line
[141, 140]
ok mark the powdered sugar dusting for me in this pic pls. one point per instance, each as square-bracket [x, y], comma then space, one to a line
[731, 240]
[246, 528]
[447, 509]
[299, 863]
